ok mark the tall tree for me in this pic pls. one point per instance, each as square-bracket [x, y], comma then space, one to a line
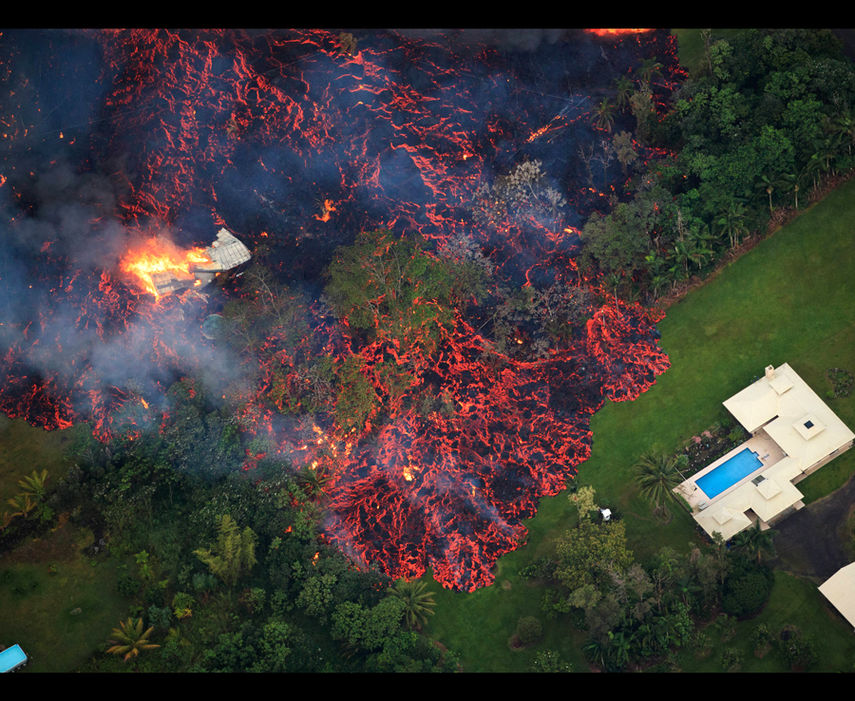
[732, 222]
[624, 150]
[233, 554]
[604, 116]
[418, 602]
[586, 557]
[656, 476]
[755, 542]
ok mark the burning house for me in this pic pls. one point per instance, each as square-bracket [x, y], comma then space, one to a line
[225, 253]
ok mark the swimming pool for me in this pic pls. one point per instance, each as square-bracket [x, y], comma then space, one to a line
[729, 472]
[11, 658]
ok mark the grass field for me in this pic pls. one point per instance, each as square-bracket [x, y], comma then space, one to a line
[23, 449]
[788, 300]
[58, 604]
[691, 43]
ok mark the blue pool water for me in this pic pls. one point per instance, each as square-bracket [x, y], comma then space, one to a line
[11, 658]
[730, 472]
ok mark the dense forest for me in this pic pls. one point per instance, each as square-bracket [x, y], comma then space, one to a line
[223, 560]
[754, 134]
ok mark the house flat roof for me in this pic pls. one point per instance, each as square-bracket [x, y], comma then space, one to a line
[792, 414]
[839, 589]
[804, 429]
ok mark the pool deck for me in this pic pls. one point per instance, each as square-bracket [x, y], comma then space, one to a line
[767, 450]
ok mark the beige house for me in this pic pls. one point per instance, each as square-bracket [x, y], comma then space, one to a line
[793, 434]
[839, 589]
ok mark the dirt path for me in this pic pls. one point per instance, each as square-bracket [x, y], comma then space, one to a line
[810, 543]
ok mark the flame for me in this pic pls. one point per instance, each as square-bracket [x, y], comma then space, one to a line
[160, 256]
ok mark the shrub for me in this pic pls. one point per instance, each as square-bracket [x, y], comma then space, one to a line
[541, 568]
[841, 382]
[160, 617]
[725, 626]
[761, 639]
[550, 661]
[731, 659]
[182, 605]
[797, 649]
[529, 630]
[747, 589]
[128, 586]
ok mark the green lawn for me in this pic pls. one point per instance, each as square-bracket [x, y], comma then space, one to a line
[24, 448]
[58, 604]
[692, 46]
[788, 300]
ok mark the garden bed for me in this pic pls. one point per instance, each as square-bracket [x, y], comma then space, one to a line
[709, 445]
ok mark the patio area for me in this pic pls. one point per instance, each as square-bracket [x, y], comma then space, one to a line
[767, 451]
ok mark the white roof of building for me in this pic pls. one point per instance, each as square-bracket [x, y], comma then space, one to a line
[839, 589]
[226, 252]
[727, 515]
[801, 424]
[792, 414]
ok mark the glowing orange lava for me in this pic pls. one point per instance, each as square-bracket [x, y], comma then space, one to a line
[618, 31]
[159, 256]
[327, 210]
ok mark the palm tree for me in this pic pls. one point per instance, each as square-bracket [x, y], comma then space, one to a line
[844, 124]
[604, 117]
[623, 90]
[680, 269]
[756, 542]
[814, 166]
[732, 222]
[34, 484]
[312, 480]
[790, 181]
[596, 651]
[825, 148]
[656, 475]
[614, 280]
[699, 240]
[22, 503]
[648, 68]
[5, 519]
[766, 183]
[129, 639]
[419, 603]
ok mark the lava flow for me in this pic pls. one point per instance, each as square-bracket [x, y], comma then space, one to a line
[480, 144]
